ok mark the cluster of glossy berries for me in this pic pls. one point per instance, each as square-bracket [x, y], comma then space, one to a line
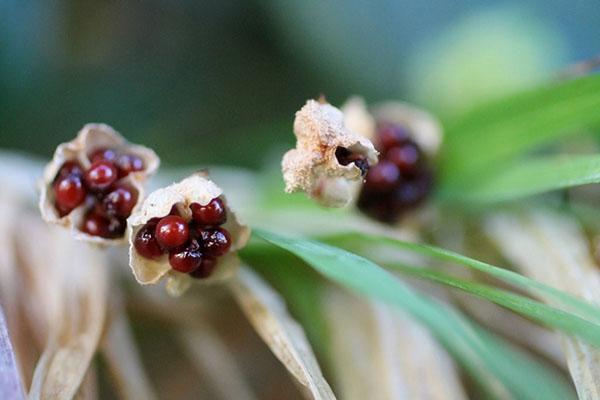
[193, 247]
[108, 200]
[400, 181]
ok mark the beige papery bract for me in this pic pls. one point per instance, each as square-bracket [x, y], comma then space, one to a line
[312, 166]
[90, 138]
[194, 189]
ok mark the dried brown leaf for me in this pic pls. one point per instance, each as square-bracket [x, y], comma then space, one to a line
[553, 249]
[377, 352]
[267, 312]
[214, 361]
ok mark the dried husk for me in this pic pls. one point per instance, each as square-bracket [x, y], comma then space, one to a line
[194, 189]
[267, 312]
[89, 138]
[312, 166]
[215, 361]
[379, 353]
[553, 249]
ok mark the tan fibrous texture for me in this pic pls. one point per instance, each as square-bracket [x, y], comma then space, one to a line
[194, 189]
[90, 138]
[312, 166]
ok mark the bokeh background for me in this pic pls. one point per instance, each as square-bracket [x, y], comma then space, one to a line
[217, 82]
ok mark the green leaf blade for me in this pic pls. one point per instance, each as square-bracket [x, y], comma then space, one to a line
[482, 356]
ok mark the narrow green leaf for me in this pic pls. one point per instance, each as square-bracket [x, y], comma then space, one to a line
[571, 303]
[537, 311]
[531, 177]
[489, 361]
[483, 139]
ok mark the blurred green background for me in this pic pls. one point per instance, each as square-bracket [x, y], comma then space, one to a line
[207, 82]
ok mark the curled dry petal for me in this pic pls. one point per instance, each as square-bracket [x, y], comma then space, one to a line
[194, 189]
[313, 167]
[89, 138]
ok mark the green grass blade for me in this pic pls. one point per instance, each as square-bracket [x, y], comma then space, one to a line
[483, 357]
[571, 303]
[531, 177]
[537, 311]
[484, 138]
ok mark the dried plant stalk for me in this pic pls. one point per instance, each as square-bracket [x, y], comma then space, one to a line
[552, 248]
[89, 387]
[123, 360]
[10, 382]
[214, 362]
[267, 313]
[377, 352]
[70, 290]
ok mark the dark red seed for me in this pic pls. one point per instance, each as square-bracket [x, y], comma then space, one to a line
[407, 157]
[205, 269]
[172, 231]
[70, 168]
[128, 163]
[102, 154]
[101, 175]
[120, 201]
[96, 225]
[215, 242]
[145, 242]
[69, 192]
[187, 258]
[382, 177]
[214, 213]
[391, 135]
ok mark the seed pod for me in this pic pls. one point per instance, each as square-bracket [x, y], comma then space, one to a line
[177, 199]
[327, 155]
[90, 139]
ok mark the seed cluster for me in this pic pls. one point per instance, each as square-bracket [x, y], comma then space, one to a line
[193, 246]
[108, 199]
[400, 181]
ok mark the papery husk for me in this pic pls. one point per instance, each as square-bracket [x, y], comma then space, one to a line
[553, 249]
[194, 189]
[66, 295]
[89, 387]
[312, 166]
[89, 138]
[267, 313]
[214, 361]
[379, 353]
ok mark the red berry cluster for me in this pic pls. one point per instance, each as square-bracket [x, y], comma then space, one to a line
[109, 202]
[400, 181]
[193, 246]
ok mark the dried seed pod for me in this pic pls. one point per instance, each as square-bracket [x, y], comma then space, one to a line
[328, 157]
[70, 167]
[176, 199]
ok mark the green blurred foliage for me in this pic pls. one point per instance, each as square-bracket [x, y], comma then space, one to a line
[218, 82]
